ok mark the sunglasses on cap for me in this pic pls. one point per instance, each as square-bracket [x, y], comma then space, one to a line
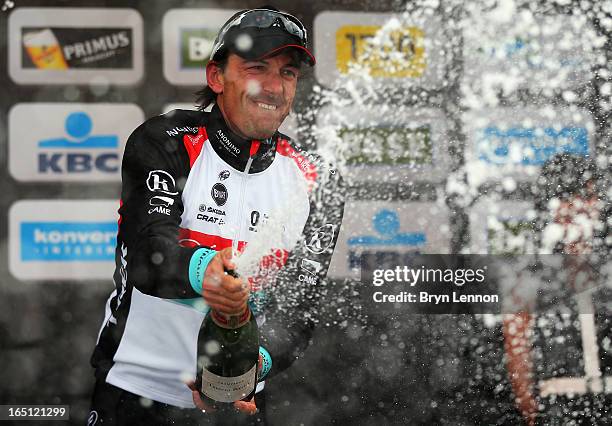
[261, 19]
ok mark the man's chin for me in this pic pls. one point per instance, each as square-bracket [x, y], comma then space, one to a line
[265, 130]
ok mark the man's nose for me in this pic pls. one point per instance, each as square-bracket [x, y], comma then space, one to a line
[273, 83]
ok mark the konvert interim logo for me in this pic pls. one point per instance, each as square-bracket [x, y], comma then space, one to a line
[68, 241]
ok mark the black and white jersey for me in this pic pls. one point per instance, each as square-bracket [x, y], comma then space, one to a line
[189, 182]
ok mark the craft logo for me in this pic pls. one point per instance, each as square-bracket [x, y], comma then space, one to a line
[397, 53]
[68, 241]
[385, 145]
[386, 224]
[75, 152]
[196, 45]
[59, 48]
[529, 146]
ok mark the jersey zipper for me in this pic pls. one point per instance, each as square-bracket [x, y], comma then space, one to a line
[240, 211]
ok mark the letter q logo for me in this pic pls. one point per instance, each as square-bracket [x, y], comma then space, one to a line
[161, 181]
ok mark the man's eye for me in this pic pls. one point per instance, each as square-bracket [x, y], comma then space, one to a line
[257, 67]
[290, 73]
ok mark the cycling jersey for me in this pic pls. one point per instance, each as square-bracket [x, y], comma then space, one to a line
[190, 182]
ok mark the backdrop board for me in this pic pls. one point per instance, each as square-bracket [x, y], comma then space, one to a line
[388, 230]
[188, 36]
[553, 51]
[75, 46]
[386, 48]
[69, 142]
[384, 144]
[502, 226]
[63, 239]
[516, 141]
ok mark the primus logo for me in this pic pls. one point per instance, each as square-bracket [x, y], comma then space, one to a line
[68, 242]
[61, 48]
[100, 46]
[227, 143]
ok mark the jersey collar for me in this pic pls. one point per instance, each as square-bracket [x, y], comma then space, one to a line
[235, 150]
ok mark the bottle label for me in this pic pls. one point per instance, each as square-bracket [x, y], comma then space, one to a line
[228, 389]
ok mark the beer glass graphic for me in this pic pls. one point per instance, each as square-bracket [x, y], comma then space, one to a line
[44, 50]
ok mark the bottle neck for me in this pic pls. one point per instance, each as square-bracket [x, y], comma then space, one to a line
[231, 321]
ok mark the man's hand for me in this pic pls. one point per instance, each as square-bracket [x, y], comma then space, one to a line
[221, 291]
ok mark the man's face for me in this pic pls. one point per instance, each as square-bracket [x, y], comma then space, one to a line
[255, 96]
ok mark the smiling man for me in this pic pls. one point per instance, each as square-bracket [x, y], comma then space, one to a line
[198, 186]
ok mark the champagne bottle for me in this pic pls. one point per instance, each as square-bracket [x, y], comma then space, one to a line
[228, 355]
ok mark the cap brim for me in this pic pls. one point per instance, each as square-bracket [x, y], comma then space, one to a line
[307, 56]
[266, 45]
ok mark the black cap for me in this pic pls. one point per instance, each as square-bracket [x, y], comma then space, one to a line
[254, 43]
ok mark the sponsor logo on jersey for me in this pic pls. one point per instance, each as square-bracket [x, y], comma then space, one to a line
[177, 130]
[321, 239]
[161, 181]
[158, 200]
[219, 194]
[69, 142]
[310, 266]
[92, 418]
[211, 214]
[227, 143]
[224, 175]
[257, 218]
[161, 205]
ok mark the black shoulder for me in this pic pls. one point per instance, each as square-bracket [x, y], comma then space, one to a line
[167, 130]
[320, 162]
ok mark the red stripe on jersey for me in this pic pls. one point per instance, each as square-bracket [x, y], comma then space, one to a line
[120, 217]
[254, 148]
[193, 144]
[269, 264]
[191, 238]
[308, 169]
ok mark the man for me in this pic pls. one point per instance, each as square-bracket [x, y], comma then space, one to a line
[195, 185]
[557, 347]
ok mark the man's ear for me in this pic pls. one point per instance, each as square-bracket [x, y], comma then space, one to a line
[214, 77]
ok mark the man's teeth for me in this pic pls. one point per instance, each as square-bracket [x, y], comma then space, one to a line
[266, 106]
